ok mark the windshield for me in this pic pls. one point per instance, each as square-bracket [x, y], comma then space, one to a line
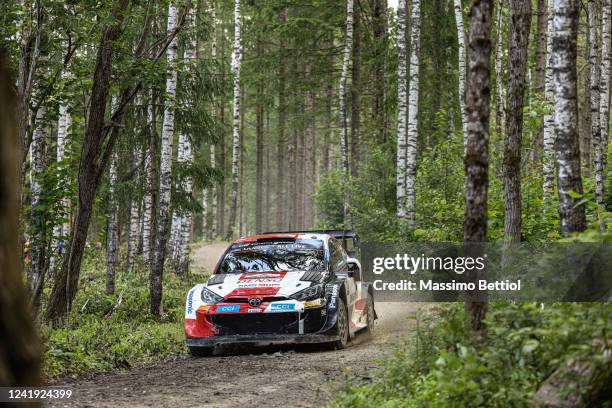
[300, 255]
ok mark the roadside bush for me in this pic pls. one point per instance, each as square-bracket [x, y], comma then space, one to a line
[105, 332]
[526, 343]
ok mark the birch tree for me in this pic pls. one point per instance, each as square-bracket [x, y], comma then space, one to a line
[500, 113]
[213, 154]
[594, 69]
[548, 159]
[165, 174]
[477, 152]
[112, 237]
[461, 61]
[346, 55]
[413, 109]
[236, 59]
[401, 110]
[601, 146]
[148, 202]
[519, 21]
[37, 264]
[567, 144]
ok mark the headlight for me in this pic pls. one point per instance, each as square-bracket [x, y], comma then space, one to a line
[312, 292]
[210, 297]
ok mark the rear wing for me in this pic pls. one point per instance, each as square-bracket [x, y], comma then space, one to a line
[348, 238]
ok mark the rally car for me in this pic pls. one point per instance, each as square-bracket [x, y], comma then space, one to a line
[280, 288]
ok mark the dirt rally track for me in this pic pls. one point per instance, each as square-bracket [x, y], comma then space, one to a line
[270, 377]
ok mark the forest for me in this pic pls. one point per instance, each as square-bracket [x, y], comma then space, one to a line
[144, 129]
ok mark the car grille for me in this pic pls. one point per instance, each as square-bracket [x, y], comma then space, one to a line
[256, 323]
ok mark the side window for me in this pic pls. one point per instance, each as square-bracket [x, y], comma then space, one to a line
[337, 256]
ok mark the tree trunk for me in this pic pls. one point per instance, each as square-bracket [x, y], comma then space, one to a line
[540, 73]
[151, 175]
[477, 152]
[259, 149]
[37, 229]
[241, 185]
[462, 79]
[236, 58]
[519, 21]
[281, 198]
[567, 145]
[548, 159]
[499, 73]
[94, 158]
[413, 110]
[584, 82]
[401, 110]
[346, 56]
[20, 348]
[594, 76]
[380, 54]
[329, 95]
[213, 161]
[112, 236]
[309, 161]
[165, 175]
[601, 147]
[222, 144]
[355, 96]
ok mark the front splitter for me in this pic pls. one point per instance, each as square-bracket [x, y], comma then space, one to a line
[261, 339]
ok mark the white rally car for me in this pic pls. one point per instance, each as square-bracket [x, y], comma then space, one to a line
[296, 287]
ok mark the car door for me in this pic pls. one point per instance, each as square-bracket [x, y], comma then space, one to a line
[340, 267]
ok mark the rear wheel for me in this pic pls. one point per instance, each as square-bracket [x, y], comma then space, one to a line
[342, 325]
[369, 316]
[197, 351]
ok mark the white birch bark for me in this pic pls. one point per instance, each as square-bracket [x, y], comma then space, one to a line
[401, 110]
[413, 109]
[60, 231]
[213, 188]
[236, 59]
[567, 145]
[111, 233]
[165, 176]
[462, 68]
[601, 150]
[594, 75]
[548, 161]
[147, 202]
[346, 56]
[500, 113]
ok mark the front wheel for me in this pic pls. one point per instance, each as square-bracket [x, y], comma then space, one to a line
[197, 351]
[342, 325]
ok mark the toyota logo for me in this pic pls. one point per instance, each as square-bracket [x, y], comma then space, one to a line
[254, 302]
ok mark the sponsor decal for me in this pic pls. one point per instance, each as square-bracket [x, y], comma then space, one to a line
[228, 308]
[190, 301]
[282, 306]
[262, 276]
[254, 310]
[334, 297]
[313, 303]
[257, 285]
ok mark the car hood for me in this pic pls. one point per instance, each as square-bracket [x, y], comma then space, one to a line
[277, 284]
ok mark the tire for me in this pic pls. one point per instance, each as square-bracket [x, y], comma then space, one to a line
[196, 351]
[342, 326]
[369, 317]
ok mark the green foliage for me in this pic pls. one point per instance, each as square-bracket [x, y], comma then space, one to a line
[106, 332]
[440, 367]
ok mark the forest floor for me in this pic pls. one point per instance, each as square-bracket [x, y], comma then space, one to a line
[272, 376]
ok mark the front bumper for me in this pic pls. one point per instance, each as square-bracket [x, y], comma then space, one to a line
[261, 339]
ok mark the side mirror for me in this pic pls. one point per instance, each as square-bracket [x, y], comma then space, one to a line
[354, 266]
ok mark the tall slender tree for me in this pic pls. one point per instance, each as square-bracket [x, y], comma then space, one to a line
[356, 93]
[165, 173]
[477, 152]
[500, 113]
[461, 61]
[112, 232]
[601, 149]
[567, 143]
[413, 109]
[236, 59]
[346, 56]
[548, 158]
[401, 110]
[519, 21]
